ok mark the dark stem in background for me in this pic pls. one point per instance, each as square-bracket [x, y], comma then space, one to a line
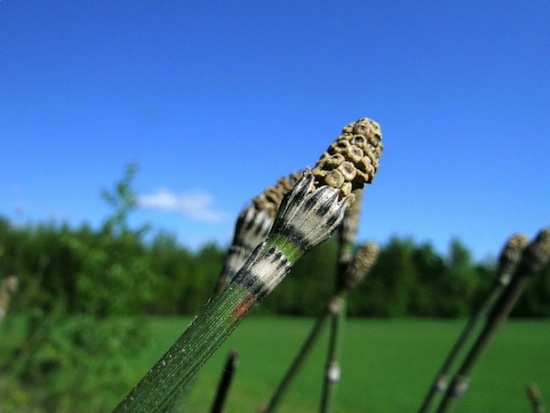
[300, 358]
[225, 382]
[508, 261]
[332, 368]
[533, 259]
[347, 235]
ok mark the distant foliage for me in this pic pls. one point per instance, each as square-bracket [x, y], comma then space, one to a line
[116, 271]
[74, 323]
[113, 271]
[65, 340]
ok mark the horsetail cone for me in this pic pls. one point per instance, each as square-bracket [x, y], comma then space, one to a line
[537, 253]
[362, 263]
[352, 160]
[312, 210]
[510, 257]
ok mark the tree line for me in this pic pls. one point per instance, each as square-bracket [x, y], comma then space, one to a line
[119, 270]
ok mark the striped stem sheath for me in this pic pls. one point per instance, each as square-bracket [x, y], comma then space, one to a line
[252, 227]
[508, 261]
[533, 259]
[306, 218]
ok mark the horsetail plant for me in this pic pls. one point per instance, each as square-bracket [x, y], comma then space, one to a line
[533, 259]
[309, 214]
[252, 226]
[508, 261]
[356, 273]
[347, 234]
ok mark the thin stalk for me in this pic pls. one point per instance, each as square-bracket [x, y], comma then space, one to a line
[533, 259]
[347, 278]
[225, 382]
[508, 261]
[301, 356]
[347, 235]
[332, 372]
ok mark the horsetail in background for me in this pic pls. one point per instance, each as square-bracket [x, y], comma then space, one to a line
[347, 235]
[356, 273]
[533, 259]
[309, 214]
[252, 226]
[507, 263]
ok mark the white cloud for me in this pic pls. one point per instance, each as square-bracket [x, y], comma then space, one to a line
[194, 205]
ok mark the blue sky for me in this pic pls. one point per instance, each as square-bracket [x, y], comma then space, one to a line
[217, 100]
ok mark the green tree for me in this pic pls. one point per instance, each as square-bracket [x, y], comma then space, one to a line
[388, 290]
[74, 346]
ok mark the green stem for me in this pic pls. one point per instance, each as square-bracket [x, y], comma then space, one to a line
[182, 361]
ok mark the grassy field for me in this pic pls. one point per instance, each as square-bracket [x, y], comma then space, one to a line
[387, 365]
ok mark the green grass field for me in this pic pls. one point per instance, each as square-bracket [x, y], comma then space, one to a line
[387, 365]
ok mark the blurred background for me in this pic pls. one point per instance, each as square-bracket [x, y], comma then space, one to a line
[132, 133]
